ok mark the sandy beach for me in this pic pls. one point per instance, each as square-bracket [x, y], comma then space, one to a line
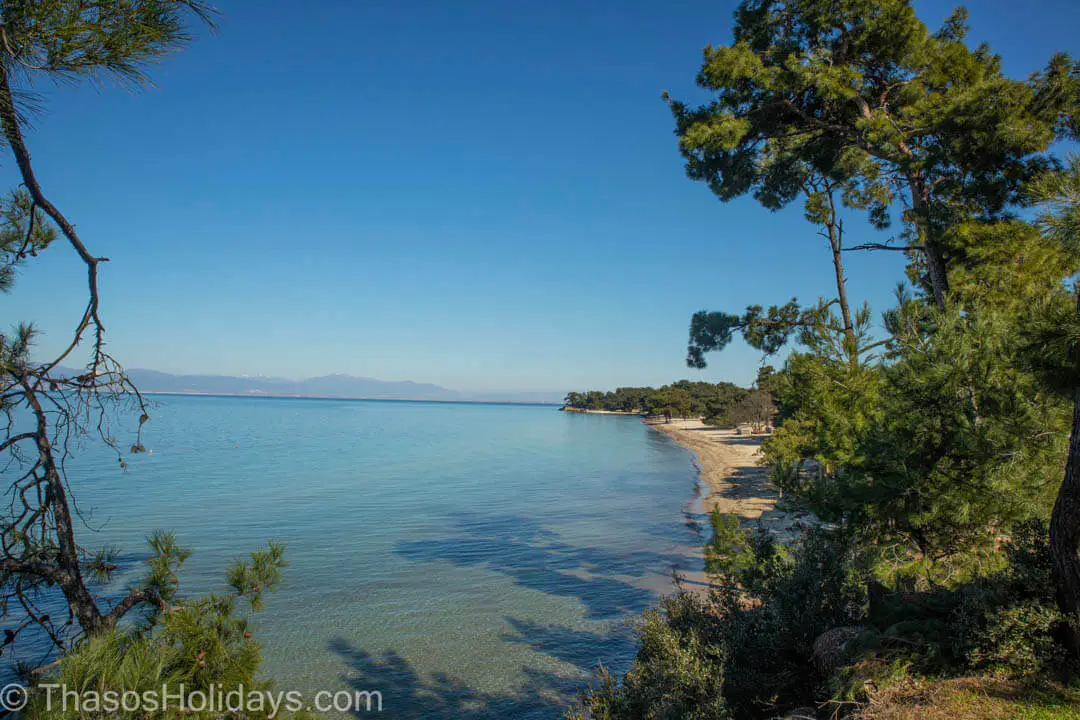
[738, 485]
[581, 411]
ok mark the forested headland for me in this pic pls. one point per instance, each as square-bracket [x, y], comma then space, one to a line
[939, 437]
[716, 403]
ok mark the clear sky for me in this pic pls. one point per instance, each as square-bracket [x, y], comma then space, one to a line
[484, 195]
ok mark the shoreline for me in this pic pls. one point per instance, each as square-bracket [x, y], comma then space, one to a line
[728, 466]
[580, 411]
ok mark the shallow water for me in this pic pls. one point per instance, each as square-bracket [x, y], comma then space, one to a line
[464, 560]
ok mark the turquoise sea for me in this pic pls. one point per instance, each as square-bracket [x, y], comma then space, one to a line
[465, 560]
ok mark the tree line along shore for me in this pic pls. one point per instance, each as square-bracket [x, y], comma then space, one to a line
[722, 404]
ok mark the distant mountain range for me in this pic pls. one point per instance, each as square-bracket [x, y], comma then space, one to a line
[327, 386]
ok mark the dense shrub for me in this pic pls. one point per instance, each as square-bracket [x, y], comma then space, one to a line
[791, 628]
[678, 673]
[747, 647]
[1006, 623]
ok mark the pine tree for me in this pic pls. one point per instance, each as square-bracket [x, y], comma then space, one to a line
[69, 41]
[862, 93]
[1053, 351]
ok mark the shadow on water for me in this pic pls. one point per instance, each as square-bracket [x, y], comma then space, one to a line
[689, 532]
[408, 696]
[583, 649]
[534, 557]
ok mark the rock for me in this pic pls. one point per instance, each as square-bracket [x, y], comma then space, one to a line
[830, 646]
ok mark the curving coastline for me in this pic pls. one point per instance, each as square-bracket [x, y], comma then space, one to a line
[737, 483]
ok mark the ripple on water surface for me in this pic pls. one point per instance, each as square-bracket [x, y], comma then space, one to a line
[463, 560]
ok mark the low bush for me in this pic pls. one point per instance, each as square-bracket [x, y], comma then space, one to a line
[784, 629]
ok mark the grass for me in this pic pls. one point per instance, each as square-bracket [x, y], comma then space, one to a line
[973, 699]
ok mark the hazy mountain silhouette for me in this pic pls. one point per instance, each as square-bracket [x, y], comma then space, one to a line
[336, 386]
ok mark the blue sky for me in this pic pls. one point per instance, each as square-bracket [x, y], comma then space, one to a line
[484, 195]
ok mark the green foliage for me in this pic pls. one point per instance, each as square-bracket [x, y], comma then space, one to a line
[938, 451]
[200, 644]
[863, 93]
[711, 401]
[769, 331]
[249, 581]
[1006, 265]
[678, 673]
[1005, 623]
[824, 404]
[684, 398]
[671, 402]
[729, 550]
[967, 443]
[165, 561]
[1018, 641]
[15, 350]
[624, 399]
[69, 39]
[1058, 193]
[24, 232]
[1050, 342]
[745, 558]
[747, 646]
[793, 628]
[765, 330]
[825, 395]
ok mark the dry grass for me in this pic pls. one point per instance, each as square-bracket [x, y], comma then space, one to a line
[972, 699]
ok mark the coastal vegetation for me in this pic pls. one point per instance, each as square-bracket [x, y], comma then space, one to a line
[685, 398]
[55, 591]
[942, 449]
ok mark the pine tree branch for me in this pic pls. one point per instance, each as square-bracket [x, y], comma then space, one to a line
[16, 439]
[14, 566]
[882, 246]
[134, 599]
[13, 133]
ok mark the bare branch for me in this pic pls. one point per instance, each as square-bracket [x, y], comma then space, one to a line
[13, 133]
[882, 246]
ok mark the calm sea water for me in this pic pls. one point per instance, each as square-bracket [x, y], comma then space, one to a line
[463, 560]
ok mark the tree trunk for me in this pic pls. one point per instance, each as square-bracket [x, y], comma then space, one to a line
[1065, 520]
[935, 264]
[935, 261]
[69, 576]
[834, 233]
[841, 288]
[72, 583]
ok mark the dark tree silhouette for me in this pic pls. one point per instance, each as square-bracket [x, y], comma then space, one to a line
[47, 409]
